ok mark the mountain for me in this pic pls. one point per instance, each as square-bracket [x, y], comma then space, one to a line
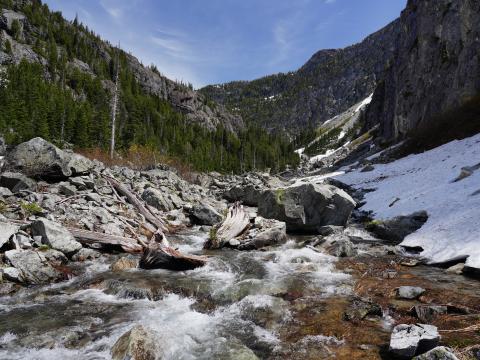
[329, 83]
[433, 82]
[57, 82]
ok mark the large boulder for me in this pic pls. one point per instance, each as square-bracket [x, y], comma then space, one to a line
[136, 344]
[55, 236]
[409, 340]
[16, 182]
[39, 158]
[33, 267]
[397, 228]
[247, 194]
[204, 214]
[307, 207]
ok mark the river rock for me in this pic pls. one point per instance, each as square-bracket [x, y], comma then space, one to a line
[16, 181]
[124, 263]
[397, 228]
[55, 236]
[339, 246]
[439, 353]
[39, 158]
[136, 344]
[307, 207]
[267, 232]
[408, 340]
[33, 267]
[205, 214]
[409, 292]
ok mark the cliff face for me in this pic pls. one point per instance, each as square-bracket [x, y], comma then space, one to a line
[328, 84]
[436, 66]
[184, 99]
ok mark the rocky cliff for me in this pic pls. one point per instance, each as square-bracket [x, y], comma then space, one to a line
[436, 67]
[328, 84]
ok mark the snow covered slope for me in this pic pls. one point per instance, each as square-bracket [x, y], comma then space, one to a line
[427, 182]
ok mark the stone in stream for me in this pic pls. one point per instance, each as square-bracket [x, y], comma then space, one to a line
[136, 344]
[307, 207]
[339, 246]
[39, 158]
[33, 267]
[397, 228]
[55, 236]
[204, 214]
[409, 292]
[439, 353]
[267, 232]
[124, 263]
[409, 340]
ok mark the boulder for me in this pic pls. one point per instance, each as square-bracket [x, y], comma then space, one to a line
[340, 246]
[55, 236]
[15, 181]
[33, 267]
[124, 263]
[360, 308]
[270, 232]
[439, 353]
[136, 344]
[157, 199]
[39, 158]
[85, 254]
[409, 340]
[409, 292]
[427, 313]
[247, 194]
[204, 214]
[307, 207]
[4, 192]
[396, 229]
[7, 230]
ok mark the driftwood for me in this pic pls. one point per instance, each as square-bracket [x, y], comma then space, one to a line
[90, 237]
[122, 189]
[160, 255]
[236, 222]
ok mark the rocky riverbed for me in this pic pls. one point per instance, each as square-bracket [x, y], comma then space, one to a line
[341, 289]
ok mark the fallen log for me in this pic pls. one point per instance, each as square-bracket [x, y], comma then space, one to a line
[132, 198]
[236, 222]
[160, 255]
[86, 237]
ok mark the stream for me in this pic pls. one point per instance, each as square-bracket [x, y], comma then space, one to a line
[285, 302]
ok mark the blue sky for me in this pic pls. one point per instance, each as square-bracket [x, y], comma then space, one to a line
[213, 41]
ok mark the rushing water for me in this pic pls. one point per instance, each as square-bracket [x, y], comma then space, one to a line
[236, 307]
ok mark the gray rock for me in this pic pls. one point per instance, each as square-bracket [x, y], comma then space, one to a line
[7, 230]
[409, 292]
[339, 246]
[408, 340]
[439, 353]
[272, 232]
[360, 308]
[12, 274]
[247, 194]
[136, 344]
[55, 257]
[157, 199]
[33, 266]
[94, 197]
[427, 313]
[16, 181]
[330, 229]
[307, 207]
[22, 241]
[85, 254]
[39, 158]
[55, 236]
[4, 192]
[67, 189]
[204, 214]
[396, 229]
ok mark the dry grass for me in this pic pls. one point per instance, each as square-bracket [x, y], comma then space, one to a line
[138, 158]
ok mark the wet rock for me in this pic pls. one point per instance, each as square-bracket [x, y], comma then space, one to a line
[204, 214]
[397, 228]
[307, 207]
[270, 232]
[55, 236]
[124, 263]
[339, 246]
[456, 269]
[409, 292]
[330, 229]
[360, 309]
[33, 267]
[427, 313]
[16, 181]
[136, 344]
[408, 340]
[85, 254]
[39, 158]
[439, 353]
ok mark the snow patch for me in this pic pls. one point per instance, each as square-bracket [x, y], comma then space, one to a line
[364, 103]
[425, 182]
